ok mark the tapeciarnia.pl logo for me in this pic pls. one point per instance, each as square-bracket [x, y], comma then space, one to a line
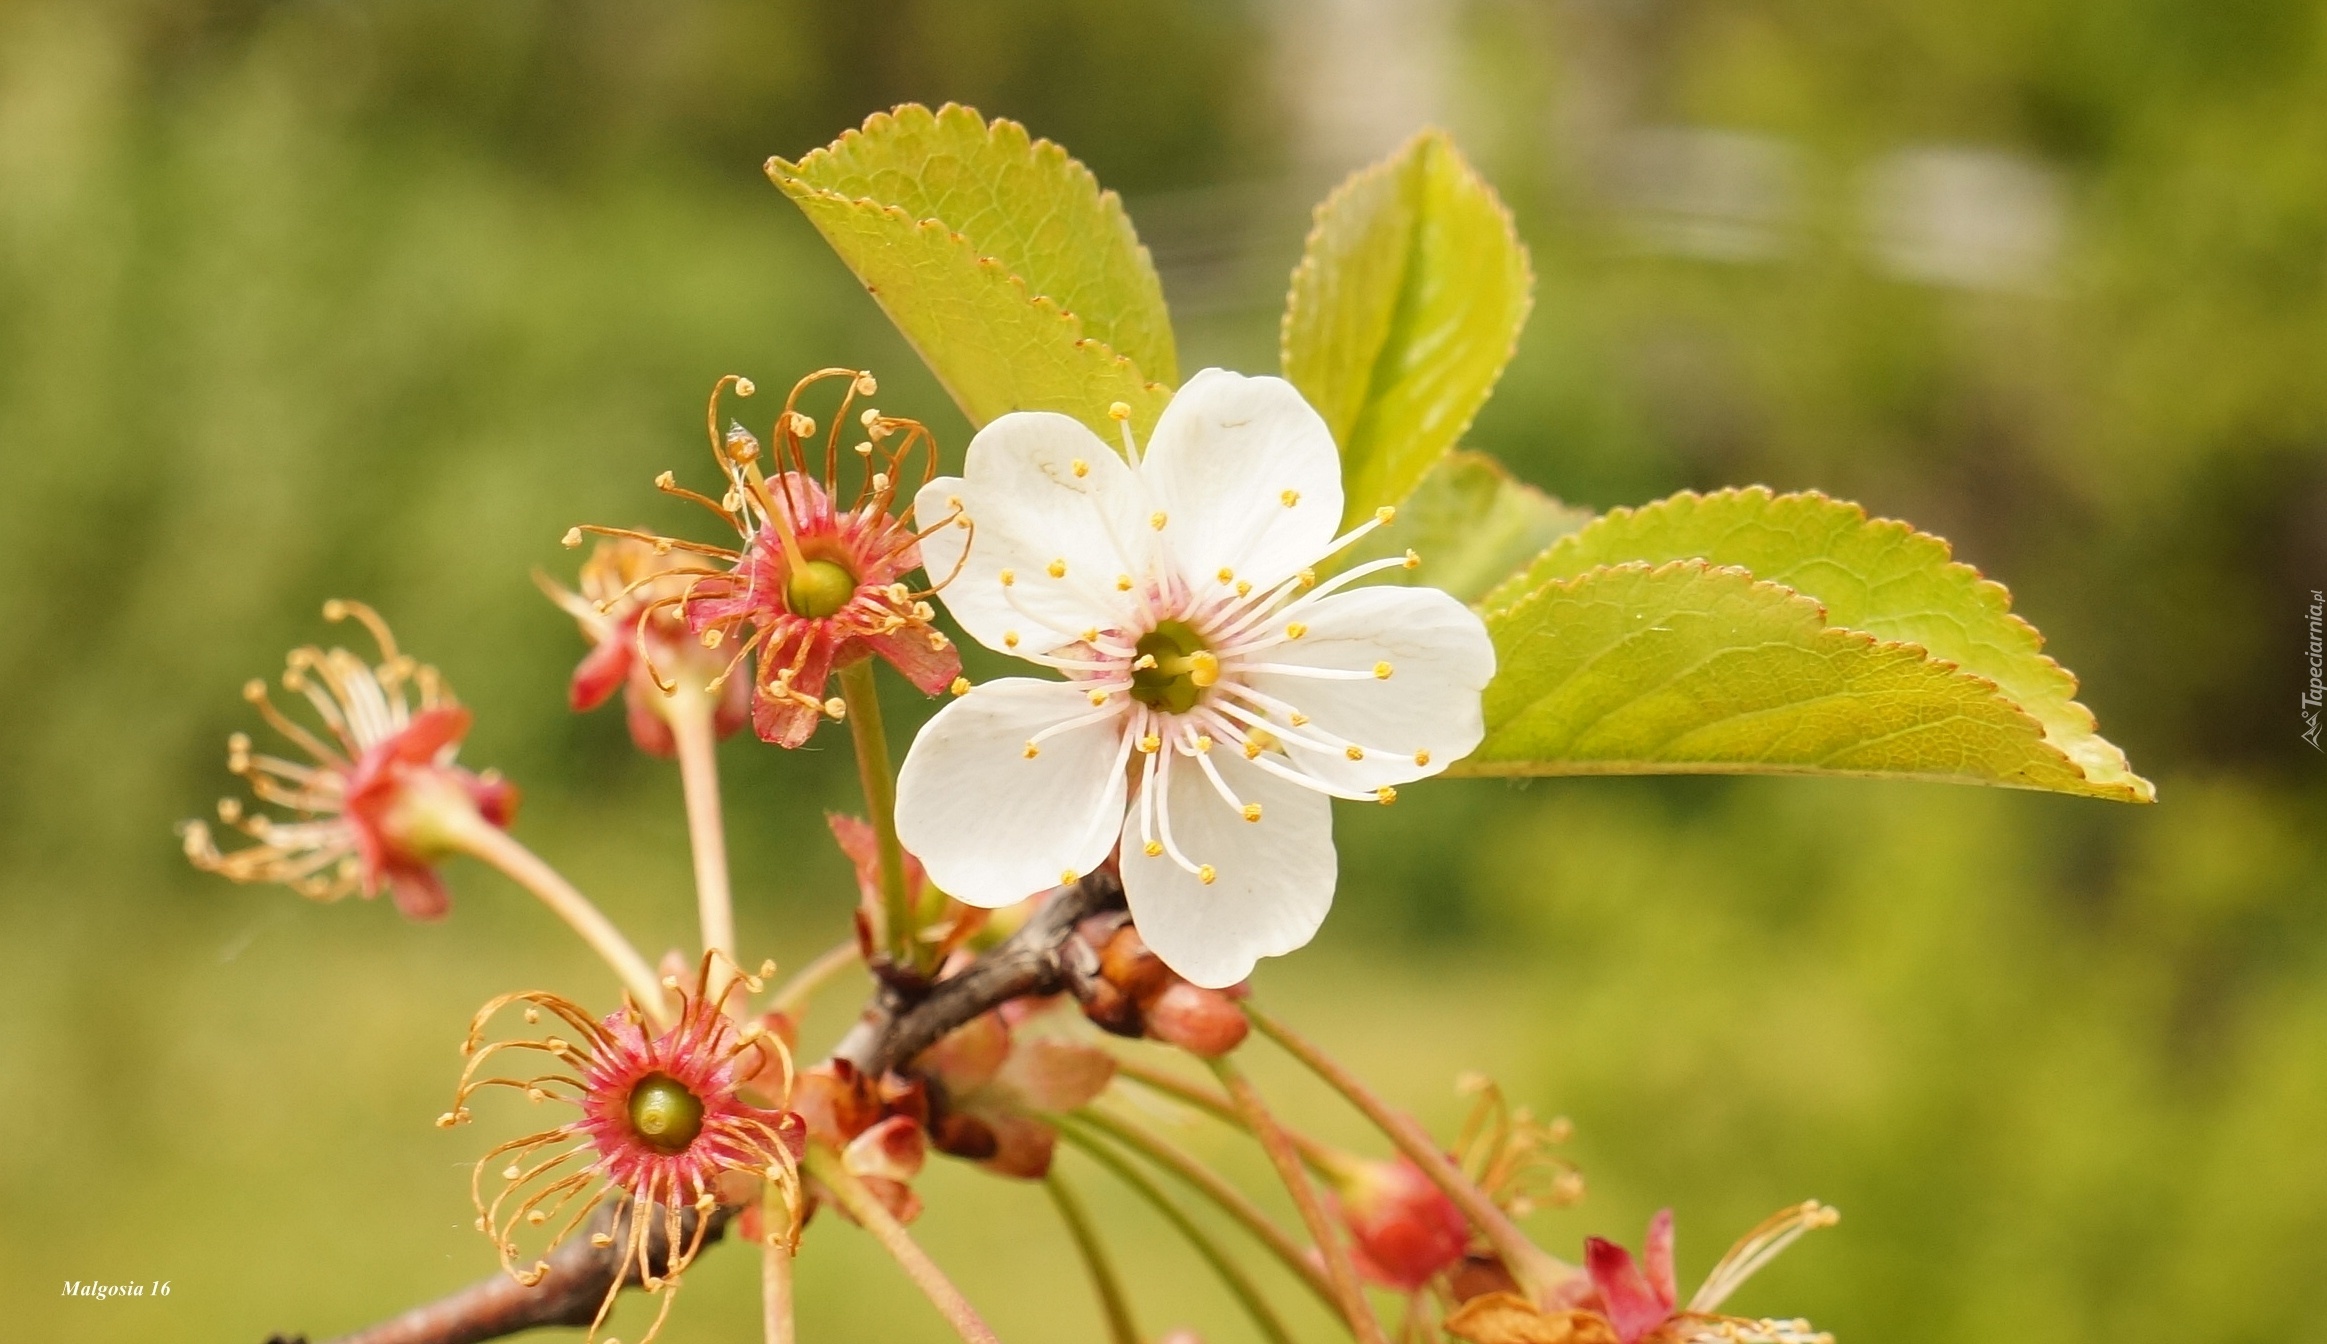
[2316, 653]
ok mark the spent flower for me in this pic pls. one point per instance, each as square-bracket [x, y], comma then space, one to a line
[811, 585]
[640, 646]
[1217, 693]
[378, 802]
[1620, 1300]
[662, 1118]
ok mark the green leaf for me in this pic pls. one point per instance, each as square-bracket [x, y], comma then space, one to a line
[1689, 667]
[1471, 524]
[1875, 575]
[1404, 309]
[1012, 274]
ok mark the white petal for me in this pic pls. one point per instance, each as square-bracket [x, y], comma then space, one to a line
[1440, 660]
[1033, 509]
[1226, 455]
[994, 825]
[1272, 878]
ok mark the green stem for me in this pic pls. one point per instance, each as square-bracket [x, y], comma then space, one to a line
[1246, 1292]
[872, 1215]
[861, 693]
[482, 840]
[1208, 1183]
[1114, 1303]
[1347, 1291]
[1535, 1269]
[1319, 1158]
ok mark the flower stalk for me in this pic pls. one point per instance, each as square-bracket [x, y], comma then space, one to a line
[691, 713]
[1536, 1270]
[776, 1254]
[1348, 1294]
[1208, 1183]
[863, 1205]
[1114, 1303]
[492, 845]
[1216, 1256]
[860, 692]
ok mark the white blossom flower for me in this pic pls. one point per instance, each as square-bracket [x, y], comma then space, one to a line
[1217, 695]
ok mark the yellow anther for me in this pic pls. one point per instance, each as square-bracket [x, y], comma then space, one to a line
[1057, 569]
[1387, 794]
[880, 482]
[1203, 667]
[1300, 720]
[1354, 753]
[1243, 587]
[1152, 848]
[1290, 498]
[1384, 514]
[1382, 671]
[865, 384]
[1009, 576]
[1119, 410]
[803, 425]
[1205, 874]
[1252, 811]
[1296, 630]
[1098, 697]
[1421, 758]
[1151, 744]
[1090, 634]
[571, 539]
[937, 643]
[1123, 583]
[744, 387]
[1146, 662]
[1032, 751]
[665, 481]
[1009, 639]
[1413, 560]
[961, 686]
[863, 448]
[1080, 467]
[1308, 578]
[836, 709]
[1157, 519]
[712, 638]
[1067, 877]
[1226, 574]
[1203, 744]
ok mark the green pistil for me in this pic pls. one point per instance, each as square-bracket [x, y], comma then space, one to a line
[819, 588]
[664, 1114]
[1182, 668]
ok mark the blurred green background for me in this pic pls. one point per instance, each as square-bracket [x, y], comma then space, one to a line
[374, 299]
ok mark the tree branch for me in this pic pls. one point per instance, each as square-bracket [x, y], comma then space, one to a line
[897, 1025]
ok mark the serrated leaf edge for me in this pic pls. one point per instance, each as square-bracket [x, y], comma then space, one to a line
[1992, 593]
[1469, 768]
[797, 188]
[1383, 167]
[996, 130]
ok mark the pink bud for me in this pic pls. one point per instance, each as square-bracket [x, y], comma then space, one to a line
[1407, 1231]
[1203, 1022]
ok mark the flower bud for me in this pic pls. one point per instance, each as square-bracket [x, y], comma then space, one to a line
[1135, 994]
[1407, 1232]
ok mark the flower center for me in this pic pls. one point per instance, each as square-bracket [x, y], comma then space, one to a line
[819, 588]
[1173, 668]
[664, 1113]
